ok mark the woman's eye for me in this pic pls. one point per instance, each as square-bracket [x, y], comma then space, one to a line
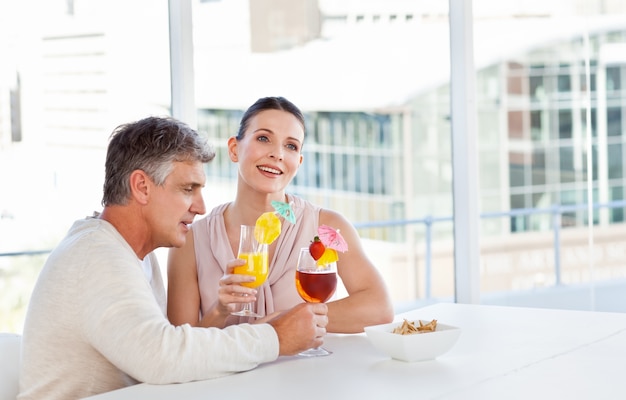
[262, 139]
[292, 147]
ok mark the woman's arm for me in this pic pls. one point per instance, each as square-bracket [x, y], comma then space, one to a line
[183, 298]
[368, 301]
[183, 293]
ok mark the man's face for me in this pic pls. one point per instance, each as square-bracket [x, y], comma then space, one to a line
[174, 205]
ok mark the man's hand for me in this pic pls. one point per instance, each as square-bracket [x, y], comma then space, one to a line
[301, 328]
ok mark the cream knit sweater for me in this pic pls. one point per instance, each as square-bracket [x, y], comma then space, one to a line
[95, 323]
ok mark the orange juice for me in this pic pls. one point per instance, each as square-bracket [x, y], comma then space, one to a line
[256, 265]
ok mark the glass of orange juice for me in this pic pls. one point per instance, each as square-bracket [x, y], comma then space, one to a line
[256, 257]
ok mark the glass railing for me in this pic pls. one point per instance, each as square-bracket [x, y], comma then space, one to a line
[25, 253]
[556, 211]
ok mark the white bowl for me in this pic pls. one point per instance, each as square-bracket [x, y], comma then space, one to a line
[414, 347]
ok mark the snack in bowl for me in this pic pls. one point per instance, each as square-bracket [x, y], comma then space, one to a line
[409, 328]
[411, 341]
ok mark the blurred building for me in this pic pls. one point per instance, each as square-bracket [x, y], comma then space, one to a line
[277, 25]
[373, 80]
[377, 103]
[375, 91]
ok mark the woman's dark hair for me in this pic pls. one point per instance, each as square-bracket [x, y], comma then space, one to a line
[268, 103]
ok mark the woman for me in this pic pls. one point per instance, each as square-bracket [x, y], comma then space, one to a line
[203, 291]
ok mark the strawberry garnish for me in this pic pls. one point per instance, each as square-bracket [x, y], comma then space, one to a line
[316, 248]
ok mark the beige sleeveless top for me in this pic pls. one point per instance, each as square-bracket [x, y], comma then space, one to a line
[213, 252]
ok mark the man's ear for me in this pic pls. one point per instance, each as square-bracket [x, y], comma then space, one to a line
[140, 186]
[232, 149]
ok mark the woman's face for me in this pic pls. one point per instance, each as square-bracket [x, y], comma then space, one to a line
[269, 154]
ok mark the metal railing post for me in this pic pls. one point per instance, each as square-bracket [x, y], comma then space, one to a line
[428, 224]
[556, 226]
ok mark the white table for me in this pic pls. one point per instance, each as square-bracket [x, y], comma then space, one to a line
[502, 353]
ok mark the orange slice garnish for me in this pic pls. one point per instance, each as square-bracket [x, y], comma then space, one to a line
[329, 256]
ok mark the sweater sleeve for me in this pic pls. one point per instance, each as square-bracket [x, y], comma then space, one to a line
[124, 322]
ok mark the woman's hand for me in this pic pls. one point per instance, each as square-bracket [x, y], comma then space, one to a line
[230, 292]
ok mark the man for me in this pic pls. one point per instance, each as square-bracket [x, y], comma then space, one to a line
[96, 320]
